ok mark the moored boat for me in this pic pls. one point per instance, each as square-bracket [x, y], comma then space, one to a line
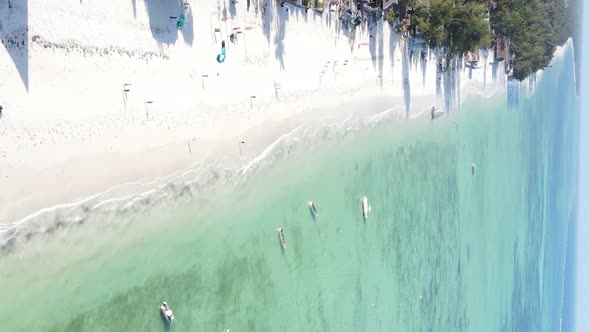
[313, 209]
[282, 237]
[365, 207]
[167, 312]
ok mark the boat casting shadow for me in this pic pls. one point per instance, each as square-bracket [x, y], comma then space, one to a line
[313, 216]
[280, 243]
[165, 325]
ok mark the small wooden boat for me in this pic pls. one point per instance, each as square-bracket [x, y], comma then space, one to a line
[167, 312]
[282, 237]
[313, 209]
[365, 207]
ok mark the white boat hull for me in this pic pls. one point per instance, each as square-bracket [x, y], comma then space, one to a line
[366, 208]
[313, 209]
[167, 312]
[281, 232]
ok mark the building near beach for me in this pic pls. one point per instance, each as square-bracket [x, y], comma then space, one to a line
[501, 49]
[385, 4]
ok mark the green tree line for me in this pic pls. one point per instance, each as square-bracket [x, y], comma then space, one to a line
[455, 26]
[534, 27]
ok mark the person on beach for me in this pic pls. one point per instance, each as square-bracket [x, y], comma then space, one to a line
[432, 112]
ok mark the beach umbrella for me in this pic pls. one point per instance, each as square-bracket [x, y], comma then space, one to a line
[221, 56]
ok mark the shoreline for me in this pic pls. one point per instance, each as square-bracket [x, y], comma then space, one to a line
[49, 161]
[136, 192]
[122, 187]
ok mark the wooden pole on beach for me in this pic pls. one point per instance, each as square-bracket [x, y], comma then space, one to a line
[243, 33]
[203, 81]
[277, 87]
[124, 91]
[190, 152]
[146, 109]
[240, 146]
[251, 97]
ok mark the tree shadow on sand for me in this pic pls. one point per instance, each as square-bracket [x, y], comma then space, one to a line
[163, 15]
[188, 31]
[267, 17]
[14, 35]
[134, 4]
[373, 44]
[295, 9]
[282, 17]
[376, 48]
[380, 54]
[449, 85]
[232, 8]
[394, 40]
[406, 76]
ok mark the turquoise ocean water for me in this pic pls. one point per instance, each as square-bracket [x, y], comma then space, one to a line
[442, 250]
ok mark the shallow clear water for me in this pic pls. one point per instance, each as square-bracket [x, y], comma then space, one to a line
[442, 249]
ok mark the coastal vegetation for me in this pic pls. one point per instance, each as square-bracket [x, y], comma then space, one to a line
[391, 18]
[533, 27]
[455, 26]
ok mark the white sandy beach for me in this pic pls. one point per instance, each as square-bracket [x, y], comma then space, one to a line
[69, 131]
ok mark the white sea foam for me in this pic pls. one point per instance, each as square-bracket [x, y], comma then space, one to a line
[187, 183]
[190, 182]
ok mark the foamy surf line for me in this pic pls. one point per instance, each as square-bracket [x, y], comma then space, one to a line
[189, 182]
[267, 152]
